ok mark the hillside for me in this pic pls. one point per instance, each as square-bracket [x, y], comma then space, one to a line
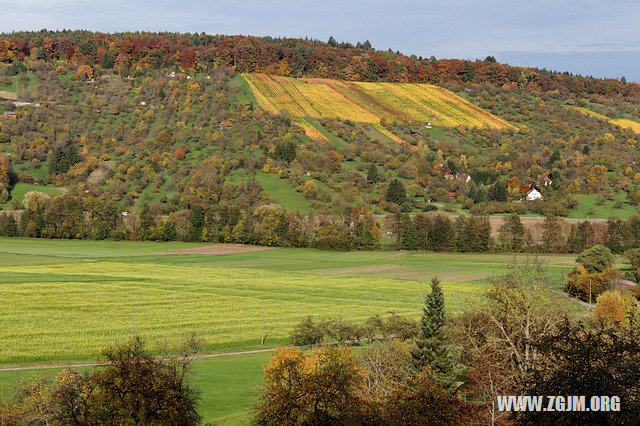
[198, 148]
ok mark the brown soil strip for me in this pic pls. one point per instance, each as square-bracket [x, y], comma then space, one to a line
[220, 249]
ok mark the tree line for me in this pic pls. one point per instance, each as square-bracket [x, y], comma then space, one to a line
[289, 57]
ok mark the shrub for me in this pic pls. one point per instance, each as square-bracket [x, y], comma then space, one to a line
[307, 332]
[615, 308]
[400, 327]
[596, 259]
[588, 286]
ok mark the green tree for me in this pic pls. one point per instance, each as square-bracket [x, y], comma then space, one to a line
[552, 235]
[596, 259]
[498, 192]
[396, 192]
[431, 347]
[8, 225]
[577, 359]
[440, 233]
[512, 233]
[408, 235]
[197, 222]
[372, 173]
[63, 158]
[285, 151]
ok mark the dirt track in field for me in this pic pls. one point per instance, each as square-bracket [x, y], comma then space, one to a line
[220, 249]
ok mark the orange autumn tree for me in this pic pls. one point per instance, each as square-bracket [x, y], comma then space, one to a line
[309, 389]
[84, 71]
[335, 386]
[5, 181]
[179, 153]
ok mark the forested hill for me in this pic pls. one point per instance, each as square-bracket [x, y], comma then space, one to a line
[289, 57]
[196, 137]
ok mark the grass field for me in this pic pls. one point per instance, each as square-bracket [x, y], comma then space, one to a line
[20, 189]
[67, 299]
[368, 102]
[588, 202]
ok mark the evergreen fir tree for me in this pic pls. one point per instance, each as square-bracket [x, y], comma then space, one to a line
[431, 347]
[396, 192]
[372, 173]
[409, 238]
[498, 192]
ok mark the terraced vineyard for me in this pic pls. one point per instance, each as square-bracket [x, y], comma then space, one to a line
[621, 122]
[368, 102]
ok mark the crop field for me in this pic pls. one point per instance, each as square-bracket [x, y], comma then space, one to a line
[621, 122]
[65, 300]
[368, 102]
[71, 310]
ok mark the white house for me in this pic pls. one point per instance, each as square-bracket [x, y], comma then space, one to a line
[534, 194]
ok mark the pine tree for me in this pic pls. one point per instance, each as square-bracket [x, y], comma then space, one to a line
[498, 192]
[372, 173]
[396, 192]
[431, 347]
[409, 238]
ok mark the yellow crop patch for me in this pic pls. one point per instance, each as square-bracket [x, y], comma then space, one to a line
[621, 122]
[369, 102]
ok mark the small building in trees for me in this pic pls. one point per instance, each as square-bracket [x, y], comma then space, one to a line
[10, 114]
[534, 194]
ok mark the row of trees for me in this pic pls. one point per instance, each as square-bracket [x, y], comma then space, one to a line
[440, 232]
[74, 217]
[286, 56]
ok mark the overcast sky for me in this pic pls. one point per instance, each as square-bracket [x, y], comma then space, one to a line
[590, 37]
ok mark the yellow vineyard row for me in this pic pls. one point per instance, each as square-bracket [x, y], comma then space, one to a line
[621, 122]
[368, 102]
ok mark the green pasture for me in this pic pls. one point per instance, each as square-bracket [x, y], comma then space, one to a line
[588, 202]
[20, 189]
[282, 192]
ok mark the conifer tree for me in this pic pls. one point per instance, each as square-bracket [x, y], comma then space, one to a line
[396, 192]
[431, 347]
[372, 174]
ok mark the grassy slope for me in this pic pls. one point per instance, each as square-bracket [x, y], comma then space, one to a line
[282, 192]
[587, 202]
[20, 189]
